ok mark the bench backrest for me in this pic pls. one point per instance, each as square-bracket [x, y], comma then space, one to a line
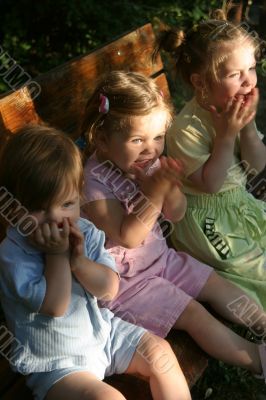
[63, 92]
[59, 96]
[65, 89]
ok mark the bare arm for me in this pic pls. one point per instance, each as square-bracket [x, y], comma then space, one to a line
[253, 150]
[58, 285]
[125, 230]
[57, 272]
[210, 177]
[130, 230]
[175, 205]
[98, 279]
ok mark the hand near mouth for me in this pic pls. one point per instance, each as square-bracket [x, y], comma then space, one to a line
[238, 113]
[162, 180]
[250, 99]
[51, 239]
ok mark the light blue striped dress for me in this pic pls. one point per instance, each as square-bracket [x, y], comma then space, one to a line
[85, 336]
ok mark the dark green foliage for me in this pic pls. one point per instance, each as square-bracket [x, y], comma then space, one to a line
[226, 382]
[40, 35]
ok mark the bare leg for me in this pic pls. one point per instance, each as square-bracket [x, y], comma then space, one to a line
[233, 303]
[155, 361]
[218, 340]
[82, 386]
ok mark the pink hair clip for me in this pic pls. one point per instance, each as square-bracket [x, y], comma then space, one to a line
[104, 104]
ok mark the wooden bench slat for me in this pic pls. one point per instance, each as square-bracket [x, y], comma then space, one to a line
[70, 85]
[65, 89]
[8, 378]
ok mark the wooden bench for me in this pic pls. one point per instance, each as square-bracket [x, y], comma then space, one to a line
[63, 95]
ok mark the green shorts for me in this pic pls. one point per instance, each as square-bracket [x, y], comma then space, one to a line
[227, 231]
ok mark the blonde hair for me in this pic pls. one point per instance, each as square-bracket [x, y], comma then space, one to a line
[129, 94]
[37, 163]
[205, 47]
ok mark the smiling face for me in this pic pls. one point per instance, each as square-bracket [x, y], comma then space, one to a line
[141, 145]
[236, 75]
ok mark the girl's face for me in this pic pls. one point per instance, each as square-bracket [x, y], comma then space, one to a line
[237, 76]
[66, 205]
[141, 146]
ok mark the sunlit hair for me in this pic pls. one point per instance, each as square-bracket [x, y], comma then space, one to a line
[205, 47]
[38, 164]
[130, 94]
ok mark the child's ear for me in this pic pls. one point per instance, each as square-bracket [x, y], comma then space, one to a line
[101, 141]
[197, 81]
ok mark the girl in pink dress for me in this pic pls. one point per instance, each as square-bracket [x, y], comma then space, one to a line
[128, 189]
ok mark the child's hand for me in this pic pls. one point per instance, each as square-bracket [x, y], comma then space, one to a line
[160, 183]
[176, 166]
[251, 101]
[49, 239]
[238, 113]
[76, 245]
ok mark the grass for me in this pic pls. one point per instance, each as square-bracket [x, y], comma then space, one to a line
[223, 382]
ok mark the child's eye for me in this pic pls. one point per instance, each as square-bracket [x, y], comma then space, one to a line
[68, 204]
[137, 140]
[159, 137]
[235, 74]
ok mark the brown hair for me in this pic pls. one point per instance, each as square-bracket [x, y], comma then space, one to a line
[204, 47]
[129, 94]
[37, 162]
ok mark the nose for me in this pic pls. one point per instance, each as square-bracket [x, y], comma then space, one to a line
[246, 82]
[249, 79]
[148, 148]
[52, 215]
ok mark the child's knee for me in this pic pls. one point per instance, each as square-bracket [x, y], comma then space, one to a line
[108, 392]
[190, 315]
[157, 354]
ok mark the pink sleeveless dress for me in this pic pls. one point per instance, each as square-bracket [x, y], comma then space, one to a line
[157, 282]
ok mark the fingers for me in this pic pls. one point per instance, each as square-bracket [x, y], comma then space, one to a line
[236, 106]
[241, 111]
[213, 111]
[254, 95]
[139, 174]
[36, 237]
[74, 230]
[49, 238]
[172, 166]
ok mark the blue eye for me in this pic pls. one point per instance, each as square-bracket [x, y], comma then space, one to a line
[68, 204]
[137, 141]
[159, 137]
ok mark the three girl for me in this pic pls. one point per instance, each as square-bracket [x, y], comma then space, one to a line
[127, 188]
[216, 138]
[50, 280]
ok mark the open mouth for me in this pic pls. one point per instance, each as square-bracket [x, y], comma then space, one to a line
[143, 164]
[245, 97]
[60, 226]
